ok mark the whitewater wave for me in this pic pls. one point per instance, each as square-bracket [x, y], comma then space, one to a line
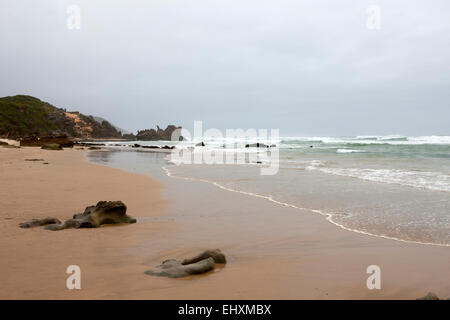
[349, 151]
[330, 217]
[436, 181]
[389, 139]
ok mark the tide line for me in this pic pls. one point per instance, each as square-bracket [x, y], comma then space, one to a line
[328, 216]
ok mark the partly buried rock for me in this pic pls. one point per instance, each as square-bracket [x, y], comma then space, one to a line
[216, 254]
[174, 269]
[429, 296]
[201, 263]
[39, 222]
[105, 212]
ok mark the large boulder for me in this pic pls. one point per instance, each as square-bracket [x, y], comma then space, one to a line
[201, 263]
[105, 212]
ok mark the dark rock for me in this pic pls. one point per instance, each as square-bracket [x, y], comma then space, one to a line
[105, 212]
[94, 148]
[216, 254]
[174, 269]
[171, 133]
[168, 147]
[429, 296]
[52, 147]
[150, 147]
[201, 263]
[34, 159]
[257, 145]
[200, 144]
[2, 143]
[136, 145]
[39, 222]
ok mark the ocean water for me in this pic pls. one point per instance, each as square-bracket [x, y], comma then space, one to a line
[394, 187]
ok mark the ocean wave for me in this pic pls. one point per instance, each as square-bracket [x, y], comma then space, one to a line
[368, 140]
[329, 216]
[349, 151]
[436, 181]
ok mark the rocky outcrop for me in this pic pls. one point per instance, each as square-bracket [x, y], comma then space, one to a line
[201, 263]
[27, 117]
[171, 133]
[105, 212]
[36, 141]
[39, 222]
[128, 136]
[200, 144]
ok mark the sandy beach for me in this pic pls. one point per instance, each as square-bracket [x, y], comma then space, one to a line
[273, 251]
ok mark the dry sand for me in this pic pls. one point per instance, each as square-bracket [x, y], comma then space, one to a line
[273, 252]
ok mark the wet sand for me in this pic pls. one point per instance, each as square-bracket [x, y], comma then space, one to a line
[274, 252]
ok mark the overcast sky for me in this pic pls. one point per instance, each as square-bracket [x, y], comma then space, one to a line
[305, 67]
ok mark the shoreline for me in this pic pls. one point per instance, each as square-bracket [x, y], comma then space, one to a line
[274, 252]
[327, 217]
[252, 229]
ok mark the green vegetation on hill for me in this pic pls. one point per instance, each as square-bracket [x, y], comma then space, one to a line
[24, 116]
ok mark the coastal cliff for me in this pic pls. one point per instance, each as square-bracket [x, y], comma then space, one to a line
[25, 116]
